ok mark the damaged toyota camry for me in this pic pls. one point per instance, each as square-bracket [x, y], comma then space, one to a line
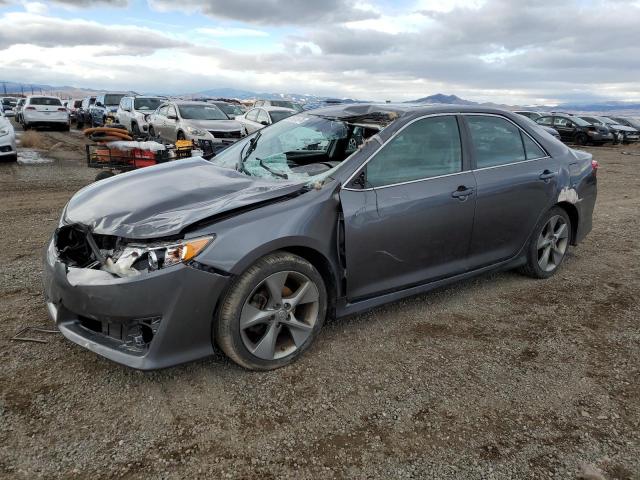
[324, 214]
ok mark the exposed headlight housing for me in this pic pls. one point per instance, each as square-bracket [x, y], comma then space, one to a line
[4, 131]
[170, 253]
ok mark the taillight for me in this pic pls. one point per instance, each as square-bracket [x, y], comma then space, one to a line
[595, 165]
[30, 108]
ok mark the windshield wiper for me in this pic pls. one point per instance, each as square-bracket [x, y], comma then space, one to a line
[271, 170]
[252, 146]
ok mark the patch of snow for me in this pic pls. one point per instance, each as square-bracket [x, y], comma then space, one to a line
[31, 157]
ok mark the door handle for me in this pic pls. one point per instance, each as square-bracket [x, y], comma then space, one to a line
[462, 192]
[547, 175]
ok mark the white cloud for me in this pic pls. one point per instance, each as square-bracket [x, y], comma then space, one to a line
[231, 32]
[35, 7]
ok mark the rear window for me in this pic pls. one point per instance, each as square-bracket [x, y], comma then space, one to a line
[45, 101]
[77, 104]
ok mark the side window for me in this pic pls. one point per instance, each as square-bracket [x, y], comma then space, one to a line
[253, 115]
[496, 141]
[171, 111]
[562, 122]
[531, 148]
[163, 110]
[548, 121]
[263, 117]
[426, 148]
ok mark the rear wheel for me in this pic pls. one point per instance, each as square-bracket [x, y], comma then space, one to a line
[549, 244]
[272, 312]
[582, 139]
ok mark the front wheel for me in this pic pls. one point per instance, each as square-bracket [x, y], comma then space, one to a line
[152, 132]
[272, 312]
[135, 130]
[549, 244]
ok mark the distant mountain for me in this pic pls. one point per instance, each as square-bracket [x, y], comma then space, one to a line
[611, 106]
[445, 99]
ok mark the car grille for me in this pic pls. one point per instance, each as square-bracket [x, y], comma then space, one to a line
[232, 134]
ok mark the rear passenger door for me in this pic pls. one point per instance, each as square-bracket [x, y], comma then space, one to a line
[516, 182]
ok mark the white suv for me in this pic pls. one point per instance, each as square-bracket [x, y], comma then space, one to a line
[132, 112]
[40, 111]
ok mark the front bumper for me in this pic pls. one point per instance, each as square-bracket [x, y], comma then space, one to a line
[150, 321]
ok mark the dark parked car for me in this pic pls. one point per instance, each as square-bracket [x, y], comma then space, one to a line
[620, 132]
[83, 114]
[323, 214]
[627, 121]
[576, 130]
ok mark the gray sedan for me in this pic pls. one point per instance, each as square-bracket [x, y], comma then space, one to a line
[184, 120]
[323, 214]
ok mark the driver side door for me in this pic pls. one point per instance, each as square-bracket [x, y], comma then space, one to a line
[408, 217]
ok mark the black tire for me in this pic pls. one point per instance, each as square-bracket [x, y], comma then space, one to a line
[226, 329]
[532, 268]
[152, 132]
[9, 158]
[66, 128]
[26, 126]
[582, 139]
[135, 130]
[104, 174]
[180, 136]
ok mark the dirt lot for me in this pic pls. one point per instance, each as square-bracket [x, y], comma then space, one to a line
[500, 377]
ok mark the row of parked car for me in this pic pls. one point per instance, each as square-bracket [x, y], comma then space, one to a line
[220, 121]
[588, 129]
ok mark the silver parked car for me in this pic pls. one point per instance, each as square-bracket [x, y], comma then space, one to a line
[133, 112]
[184, 120]
[258, 118]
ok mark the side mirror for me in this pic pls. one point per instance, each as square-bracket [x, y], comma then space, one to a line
[99, 104]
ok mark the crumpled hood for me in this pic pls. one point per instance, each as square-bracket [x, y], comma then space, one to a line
[162, 200]
[217, 125]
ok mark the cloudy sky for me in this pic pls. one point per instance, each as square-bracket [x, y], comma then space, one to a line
[510, 51]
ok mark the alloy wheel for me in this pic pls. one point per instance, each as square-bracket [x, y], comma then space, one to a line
[552, 243]
[278, 316]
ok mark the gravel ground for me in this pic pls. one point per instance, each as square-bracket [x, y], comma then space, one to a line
[500, 377]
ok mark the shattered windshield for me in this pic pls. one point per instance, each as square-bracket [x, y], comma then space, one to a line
[296, 148]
